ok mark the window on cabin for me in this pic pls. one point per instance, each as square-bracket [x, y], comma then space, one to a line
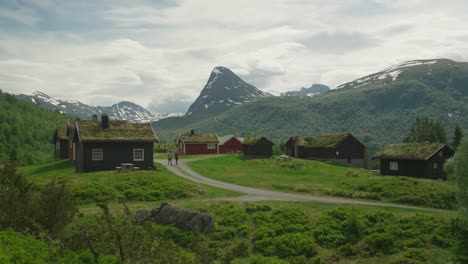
[211, 146]
[97, 154]
[441, 154]
[181, 147]
[393, 165]
[138, 154]
[57, 145]
[434, 165]
[74, 151]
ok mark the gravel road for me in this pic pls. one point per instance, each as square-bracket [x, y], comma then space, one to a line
[253, 194]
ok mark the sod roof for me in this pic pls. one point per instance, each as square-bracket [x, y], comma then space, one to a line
[254, 140]
[322, 141]
[61, 133]
[117, 131]
[416, 151]
[200, 138]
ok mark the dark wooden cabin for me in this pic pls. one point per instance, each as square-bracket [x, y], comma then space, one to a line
[342, 148]
[192, 143]
[257, 147]
[107, 144]
[62, 142]
[230, 144]
[419, 160]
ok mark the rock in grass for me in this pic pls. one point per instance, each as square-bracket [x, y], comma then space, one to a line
[185, 219]
[142, 216]
[182, 218]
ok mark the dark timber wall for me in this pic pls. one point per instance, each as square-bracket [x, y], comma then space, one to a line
[63, 152]
[349, 152]
[114, 154]
[419, 168]
[262, 148]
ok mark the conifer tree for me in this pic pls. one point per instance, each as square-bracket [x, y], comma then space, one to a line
[457, 137]
[427, 130]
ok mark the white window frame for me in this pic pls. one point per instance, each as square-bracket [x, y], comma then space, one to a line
[135, 155]
[435, 165]
[211, 145]
[393, 165]
[97, 154]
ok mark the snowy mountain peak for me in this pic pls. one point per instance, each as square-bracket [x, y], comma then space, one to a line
[223, 90]
[392, 73]
[313, 90]
[121, 111]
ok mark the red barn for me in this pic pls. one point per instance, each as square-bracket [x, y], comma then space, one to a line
[230, 144]
[190, 144]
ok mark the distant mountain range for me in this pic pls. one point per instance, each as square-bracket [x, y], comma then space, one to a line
[377, 108]
[223, 90]
[315, 89]
[119, 111]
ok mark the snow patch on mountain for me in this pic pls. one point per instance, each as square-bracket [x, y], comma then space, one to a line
[389, 74]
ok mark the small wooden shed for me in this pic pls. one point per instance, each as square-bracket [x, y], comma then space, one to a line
[192, 143]
[230, 144]
[419, 160]
[61, 143]
[258, 147]
[342, 148]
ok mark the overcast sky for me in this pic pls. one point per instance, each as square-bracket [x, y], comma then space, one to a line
[160, 53]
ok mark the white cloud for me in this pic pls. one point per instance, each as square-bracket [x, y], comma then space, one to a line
[160, 55]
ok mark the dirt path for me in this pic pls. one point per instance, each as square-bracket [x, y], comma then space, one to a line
[253, 194]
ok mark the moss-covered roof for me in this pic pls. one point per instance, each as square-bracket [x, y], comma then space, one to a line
[418, 151]
[200, 138]
[322, 141]
[254, 140]
[117, 131]
[61, 133]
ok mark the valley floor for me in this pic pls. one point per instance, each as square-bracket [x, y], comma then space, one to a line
[255, 194]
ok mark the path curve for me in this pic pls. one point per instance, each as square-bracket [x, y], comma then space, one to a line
[253, 194]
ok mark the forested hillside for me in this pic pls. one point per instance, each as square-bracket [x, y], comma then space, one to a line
[27, 130]
[379, 111]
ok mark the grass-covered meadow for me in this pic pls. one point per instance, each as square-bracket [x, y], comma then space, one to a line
[322, 178]
[141, 185]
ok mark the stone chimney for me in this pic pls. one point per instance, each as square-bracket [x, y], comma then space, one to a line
[105, 121]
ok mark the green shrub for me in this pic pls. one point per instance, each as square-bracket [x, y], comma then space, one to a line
[418, 254]
[381, 243]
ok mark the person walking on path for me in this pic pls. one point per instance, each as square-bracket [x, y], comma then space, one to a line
[176, 157]
[169, 158]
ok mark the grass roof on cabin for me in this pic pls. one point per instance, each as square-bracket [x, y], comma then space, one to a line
[419, 151]
[322, 141]
[117, 131]
[253, 140]
[200, 138]
[61, 132]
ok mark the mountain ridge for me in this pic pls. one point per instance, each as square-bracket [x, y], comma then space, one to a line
[124, 110]
[378, 112]
[314, 89]
[223, 90]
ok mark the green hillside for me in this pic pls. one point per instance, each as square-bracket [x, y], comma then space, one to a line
[377, 112]
[27, 130]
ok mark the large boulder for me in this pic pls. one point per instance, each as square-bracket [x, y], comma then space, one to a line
[185, 219]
